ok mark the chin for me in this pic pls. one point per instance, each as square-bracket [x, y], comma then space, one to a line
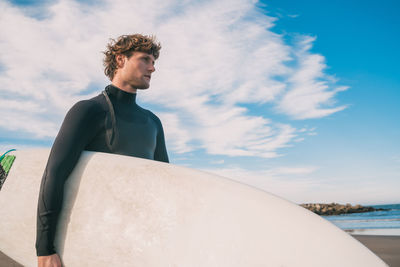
[143, 86]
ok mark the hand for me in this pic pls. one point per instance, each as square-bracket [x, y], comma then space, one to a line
[49, 261]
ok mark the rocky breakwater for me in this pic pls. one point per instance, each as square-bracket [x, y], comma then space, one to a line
[337, 209]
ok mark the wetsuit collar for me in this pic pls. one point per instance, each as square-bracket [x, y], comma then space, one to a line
[120, 95]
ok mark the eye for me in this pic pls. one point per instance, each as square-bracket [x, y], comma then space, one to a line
[148, 60]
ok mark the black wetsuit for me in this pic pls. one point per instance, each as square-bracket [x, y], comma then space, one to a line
[89, 126]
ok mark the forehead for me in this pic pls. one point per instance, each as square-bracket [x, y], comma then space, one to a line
[138, 54]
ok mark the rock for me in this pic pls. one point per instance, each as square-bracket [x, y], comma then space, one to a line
[336, 209]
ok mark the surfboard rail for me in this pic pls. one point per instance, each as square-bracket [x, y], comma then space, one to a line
[136, 212]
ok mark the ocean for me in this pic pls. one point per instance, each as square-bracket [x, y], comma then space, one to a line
[370, 223]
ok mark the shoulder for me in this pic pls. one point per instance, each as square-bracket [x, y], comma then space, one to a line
[152, 116]
[90, 107]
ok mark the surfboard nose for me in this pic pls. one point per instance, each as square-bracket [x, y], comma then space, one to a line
[6, 162]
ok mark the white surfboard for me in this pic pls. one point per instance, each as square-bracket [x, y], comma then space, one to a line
[125, 211]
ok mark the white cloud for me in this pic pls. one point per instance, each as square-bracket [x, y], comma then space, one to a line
[5, 147]
[177, 135]
[301, 184]
[216, 56]
[292, 170]
[273, 180]
[309, 87]
[396, 158]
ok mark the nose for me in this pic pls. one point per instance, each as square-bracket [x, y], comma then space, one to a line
[152, 68]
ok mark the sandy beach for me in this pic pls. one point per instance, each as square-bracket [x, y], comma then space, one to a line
[7, 262]
[386, 247]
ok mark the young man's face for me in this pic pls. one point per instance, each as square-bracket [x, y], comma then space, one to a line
[136, 71]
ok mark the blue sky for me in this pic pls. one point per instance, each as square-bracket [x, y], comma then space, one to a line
[360, 41]
[298, 98]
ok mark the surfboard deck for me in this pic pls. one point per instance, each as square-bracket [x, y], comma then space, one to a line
[127, 211]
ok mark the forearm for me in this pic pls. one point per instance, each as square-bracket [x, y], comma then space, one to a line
[50, 202]
[51, 194]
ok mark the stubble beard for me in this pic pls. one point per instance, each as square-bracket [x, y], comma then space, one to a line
[143, 86]
[140, 84]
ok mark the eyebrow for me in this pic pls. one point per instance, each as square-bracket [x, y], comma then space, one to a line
[148, 57]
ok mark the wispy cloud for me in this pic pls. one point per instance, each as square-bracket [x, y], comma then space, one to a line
[8, 146]
[178, 137]
[310, 93]
[396, 158]
[294, 187]
[218, 59]
[303, 184]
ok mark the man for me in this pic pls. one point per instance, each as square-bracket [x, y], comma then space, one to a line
[111, 122]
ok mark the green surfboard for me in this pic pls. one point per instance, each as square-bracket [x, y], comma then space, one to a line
[6, 162]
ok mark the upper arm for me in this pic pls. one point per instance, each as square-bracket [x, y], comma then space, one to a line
[78, 128]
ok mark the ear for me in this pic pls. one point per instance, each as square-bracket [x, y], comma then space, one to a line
[120, 59]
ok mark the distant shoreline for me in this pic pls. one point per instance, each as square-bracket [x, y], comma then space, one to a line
[338, 209]
[374, 232]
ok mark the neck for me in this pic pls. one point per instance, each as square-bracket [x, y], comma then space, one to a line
[120, 96]
[123, 86]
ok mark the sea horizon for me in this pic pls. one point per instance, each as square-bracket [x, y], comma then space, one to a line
[383, 222]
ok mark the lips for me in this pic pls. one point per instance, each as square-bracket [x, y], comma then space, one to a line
[147, 76]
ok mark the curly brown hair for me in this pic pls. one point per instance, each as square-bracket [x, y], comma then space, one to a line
[126, 45]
